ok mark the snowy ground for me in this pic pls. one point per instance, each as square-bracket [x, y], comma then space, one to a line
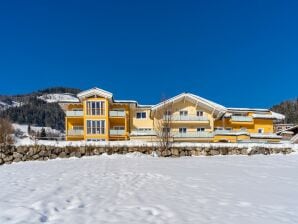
[142, 189]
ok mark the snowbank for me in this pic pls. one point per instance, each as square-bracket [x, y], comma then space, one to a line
[154, 144]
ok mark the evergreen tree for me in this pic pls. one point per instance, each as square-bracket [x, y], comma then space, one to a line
[43, 133]
[29, 129]
[289, 108]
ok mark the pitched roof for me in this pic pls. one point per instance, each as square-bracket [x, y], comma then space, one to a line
[247, 109]
[195, 99]
[103, 93]
[273, 115]
[95, 91]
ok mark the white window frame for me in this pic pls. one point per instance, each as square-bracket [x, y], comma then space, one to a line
[200, 113]
[168, 113]
[141, 115]
[78, 127]
[183, 113]
[200, 129]
[144, 129]
[95, 129]
[182, 130]
[119, 127]
[96, 108]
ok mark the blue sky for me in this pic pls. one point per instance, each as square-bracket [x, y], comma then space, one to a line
[237, 53]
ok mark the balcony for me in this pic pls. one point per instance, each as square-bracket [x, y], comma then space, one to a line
[231, 132]
[242, 119]
[117, 113]
[117, 132]
[74, 113]
[186, 118]
[199, 134]
[75, 132]
[137, 132]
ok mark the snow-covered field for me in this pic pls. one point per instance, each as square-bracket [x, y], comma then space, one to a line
[141, 189]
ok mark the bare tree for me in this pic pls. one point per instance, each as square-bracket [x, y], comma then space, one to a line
[6, 132]
[163, 126]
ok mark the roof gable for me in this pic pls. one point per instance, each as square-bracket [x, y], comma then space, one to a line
[212, 106]
[95, 92]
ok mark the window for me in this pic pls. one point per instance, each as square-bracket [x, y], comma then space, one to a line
[183, 113]
[95, 140]
[168, 113]
[118, 128]
[261, 130]
[229, 129]
[96, 127]
[182, 130]
[144, 129]
[95, 107]
[218, 128]
[239, 114]
[200, 129]
[200, 113]
[141, 115]
[166, 130]
[78, 128]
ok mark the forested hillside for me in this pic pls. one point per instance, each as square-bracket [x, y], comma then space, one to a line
[33, 110]
[289, 108]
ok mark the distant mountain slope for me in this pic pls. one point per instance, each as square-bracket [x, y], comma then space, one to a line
[39, 108]
[289, 108]
[58, 97]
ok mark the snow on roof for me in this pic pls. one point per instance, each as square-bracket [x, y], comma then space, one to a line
[265, 136]
[192, 97]
[269, 116]
[125, 101]
[100, 92]
[247, 109]
[278, 116]
[134, 102]
[295, 139]
[228, 132]
[288, 129]
[95, 91]
[287, 132]
[147, 106]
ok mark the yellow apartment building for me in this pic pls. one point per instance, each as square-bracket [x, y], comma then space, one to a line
[99, 117]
